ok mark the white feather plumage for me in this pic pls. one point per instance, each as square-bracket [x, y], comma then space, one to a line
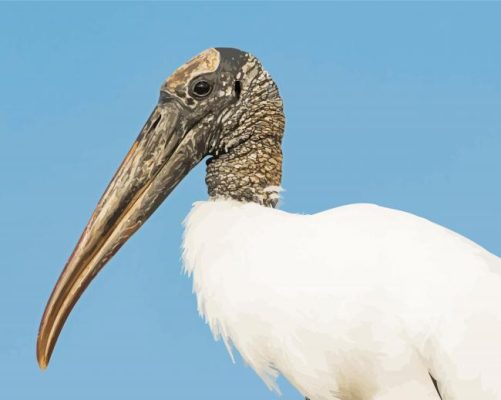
[359, 302]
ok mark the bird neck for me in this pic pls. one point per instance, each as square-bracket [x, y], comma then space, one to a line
[250, 168]
[247, 160]
[250, 172]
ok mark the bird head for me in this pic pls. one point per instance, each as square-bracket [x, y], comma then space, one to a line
[220, 104]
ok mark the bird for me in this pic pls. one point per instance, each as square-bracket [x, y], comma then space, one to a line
[359, 302]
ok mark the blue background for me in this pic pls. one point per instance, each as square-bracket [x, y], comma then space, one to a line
[397, 104]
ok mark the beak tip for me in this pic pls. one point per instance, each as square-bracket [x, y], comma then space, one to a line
[43, 362]
[42, 365]
[42, 357]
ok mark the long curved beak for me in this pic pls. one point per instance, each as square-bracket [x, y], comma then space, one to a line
[165, 151]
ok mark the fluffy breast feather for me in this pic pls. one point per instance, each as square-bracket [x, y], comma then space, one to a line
[299, 292]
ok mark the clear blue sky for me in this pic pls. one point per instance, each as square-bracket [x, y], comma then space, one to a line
[396, 104]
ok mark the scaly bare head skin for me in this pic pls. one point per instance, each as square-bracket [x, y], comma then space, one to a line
[204, 63]
[221, 104]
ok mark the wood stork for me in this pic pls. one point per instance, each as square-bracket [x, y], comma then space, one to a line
[359, 302]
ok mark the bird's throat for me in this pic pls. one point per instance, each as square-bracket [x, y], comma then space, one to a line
[249, 172]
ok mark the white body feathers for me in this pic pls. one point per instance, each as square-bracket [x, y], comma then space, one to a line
[359, 302]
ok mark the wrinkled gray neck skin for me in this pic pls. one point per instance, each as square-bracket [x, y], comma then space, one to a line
[247, 163]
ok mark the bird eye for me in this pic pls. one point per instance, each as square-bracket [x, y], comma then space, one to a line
[201, 88]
